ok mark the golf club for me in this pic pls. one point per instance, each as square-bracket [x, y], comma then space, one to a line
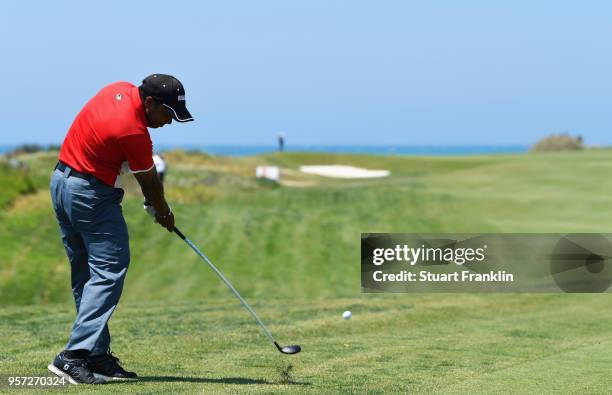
[294, 349]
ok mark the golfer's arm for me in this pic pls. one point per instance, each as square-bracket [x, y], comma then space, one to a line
[153, 190]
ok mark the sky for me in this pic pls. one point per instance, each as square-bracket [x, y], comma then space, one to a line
[324, 72]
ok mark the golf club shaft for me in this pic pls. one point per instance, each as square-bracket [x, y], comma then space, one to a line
[229, 285]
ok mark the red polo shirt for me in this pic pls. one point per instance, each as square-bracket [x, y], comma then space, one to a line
[109, 132]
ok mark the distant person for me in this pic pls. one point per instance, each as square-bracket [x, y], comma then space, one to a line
[160, 166]
[281, 141]
[111, 129]
[15, 163]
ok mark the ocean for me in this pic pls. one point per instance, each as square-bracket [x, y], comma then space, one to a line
[419, 150]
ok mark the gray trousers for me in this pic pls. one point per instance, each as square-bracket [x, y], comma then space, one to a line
[95, 237]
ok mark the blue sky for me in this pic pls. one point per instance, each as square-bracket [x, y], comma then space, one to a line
[325, 72]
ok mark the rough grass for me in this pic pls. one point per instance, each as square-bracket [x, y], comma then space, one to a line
[295, 242]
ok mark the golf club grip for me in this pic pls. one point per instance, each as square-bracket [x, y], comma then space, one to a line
[179, 233]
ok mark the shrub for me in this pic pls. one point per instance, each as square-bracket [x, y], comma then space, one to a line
[558, 142]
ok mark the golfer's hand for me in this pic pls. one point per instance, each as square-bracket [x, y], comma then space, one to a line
[167, 221]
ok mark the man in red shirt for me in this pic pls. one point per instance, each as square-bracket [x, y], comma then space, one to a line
[109, 136]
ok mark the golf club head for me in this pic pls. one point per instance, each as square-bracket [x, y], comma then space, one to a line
[294, 349]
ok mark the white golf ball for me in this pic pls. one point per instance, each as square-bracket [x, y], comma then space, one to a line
[347, 315]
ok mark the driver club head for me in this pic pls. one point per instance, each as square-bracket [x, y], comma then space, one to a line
[294, 349]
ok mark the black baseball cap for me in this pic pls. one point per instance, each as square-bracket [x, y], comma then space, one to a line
[168, 91]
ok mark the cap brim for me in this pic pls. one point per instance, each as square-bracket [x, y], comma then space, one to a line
[179, 113]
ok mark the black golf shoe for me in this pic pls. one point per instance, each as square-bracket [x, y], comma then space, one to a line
[106, 367]
[75, 370]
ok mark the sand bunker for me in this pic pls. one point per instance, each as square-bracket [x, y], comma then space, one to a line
[341, 171]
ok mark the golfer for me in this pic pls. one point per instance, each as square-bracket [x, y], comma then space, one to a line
[108, 135]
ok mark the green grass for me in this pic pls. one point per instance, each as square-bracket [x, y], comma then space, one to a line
[14, 183]
[294, 253]
[409, 344]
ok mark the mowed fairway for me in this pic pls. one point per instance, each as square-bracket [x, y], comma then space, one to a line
[293, 251]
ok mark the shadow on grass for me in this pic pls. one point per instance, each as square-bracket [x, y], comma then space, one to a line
[222, 380]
